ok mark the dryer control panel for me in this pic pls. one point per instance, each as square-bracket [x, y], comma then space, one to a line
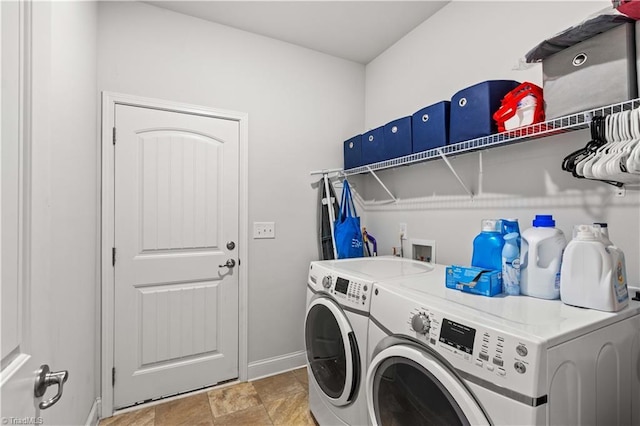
[352, 291]
[348, 291]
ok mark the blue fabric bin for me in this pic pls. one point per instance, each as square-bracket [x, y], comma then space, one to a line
[430, 127]
[397, 138]
[472, 109]
[353, 152]
[373, 146]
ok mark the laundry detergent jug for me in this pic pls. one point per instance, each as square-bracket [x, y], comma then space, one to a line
[541, 258]
[487, 246]
[593, 273]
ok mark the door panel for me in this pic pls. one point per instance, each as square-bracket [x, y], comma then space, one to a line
[176, 205]
[180, 192]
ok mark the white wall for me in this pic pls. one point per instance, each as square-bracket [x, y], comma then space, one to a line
[300, 103]
[65, 189]
[465, 43]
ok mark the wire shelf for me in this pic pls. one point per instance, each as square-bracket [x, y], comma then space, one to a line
[547, 128]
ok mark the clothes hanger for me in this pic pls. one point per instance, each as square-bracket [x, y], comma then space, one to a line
[571, 161]
[575, 162]
[615, 134]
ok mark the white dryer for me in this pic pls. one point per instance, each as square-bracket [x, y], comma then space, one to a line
[440, 356]
[336, 324]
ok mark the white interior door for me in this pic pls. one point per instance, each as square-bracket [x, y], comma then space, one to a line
[27, 326]
[176, 226]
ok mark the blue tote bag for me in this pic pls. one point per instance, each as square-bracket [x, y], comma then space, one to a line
[347, 227]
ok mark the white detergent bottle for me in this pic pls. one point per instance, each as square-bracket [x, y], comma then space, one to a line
[588, 277]
[619, 275]
[541, 258]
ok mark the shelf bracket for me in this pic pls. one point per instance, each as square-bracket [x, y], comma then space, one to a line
[381, 183]
[448, 163]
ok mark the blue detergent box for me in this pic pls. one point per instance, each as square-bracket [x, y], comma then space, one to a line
[373, 146]
[397, 138]
[353, 152]
[472, 109]
[474, 280]
[430, 127]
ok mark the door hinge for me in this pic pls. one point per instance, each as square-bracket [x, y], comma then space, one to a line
[239, 261]
[114, 135]
[113, 376]
[113, 256]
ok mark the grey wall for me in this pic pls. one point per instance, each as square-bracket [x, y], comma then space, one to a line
[465, 43]
[65, 190]
[300, 103]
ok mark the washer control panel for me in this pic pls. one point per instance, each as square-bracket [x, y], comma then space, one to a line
[478, 350]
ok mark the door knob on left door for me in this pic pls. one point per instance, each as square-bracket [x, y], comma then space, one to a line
[229, 264]
[44, 379]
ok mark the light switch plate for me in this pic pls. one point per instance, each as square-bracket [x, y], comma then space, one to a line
[264, 230]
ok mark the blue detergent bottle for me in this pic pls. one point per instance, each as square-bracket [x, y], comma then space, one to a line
[487, 246]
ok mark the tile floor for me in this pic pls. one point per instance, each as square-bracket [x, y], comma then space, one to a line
[275, 400]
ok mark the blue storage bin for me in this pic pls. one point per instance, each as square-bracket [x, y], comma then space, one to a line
[353, 152]
[430, 127]
[397, 138]
[373, 146]
[472, 109]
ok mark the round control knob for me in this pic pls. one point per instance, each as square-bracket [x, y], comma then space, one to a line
[365, 288]
[520, 367]
[364, 297]
[326, 281]
[421, 323]
[522, 350]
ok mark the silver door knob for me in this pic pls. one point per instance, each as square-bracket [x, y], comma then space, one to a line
[229, 264]
[44, 379]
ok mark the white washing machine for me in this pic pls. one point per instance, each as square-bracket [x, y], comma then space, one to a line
[336, 325]
[443, 357]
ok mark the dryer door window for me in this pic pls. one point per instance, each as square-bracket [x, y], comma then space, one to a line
[408, 387]
[332, 351]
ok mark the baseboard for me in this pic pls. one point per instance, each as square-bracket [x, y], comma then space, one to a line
[275, 365]
[92, 418]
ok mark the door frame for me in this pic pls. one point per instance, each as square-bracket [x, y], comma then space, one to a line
[109, 102]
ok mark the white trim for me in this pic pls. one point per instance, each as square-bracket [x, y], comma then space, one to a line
[276, 365]
[92, 418]
[109, 100]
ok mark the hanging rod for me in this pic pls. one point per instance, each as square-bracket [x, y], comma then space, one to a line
[325, 171]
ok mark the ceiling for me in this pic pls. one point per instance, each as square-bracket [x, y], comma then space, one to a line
[354, 30]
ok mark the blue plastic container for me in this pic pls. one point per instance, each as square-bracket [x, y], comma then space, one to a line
[373, 146]
[353, 152]
[472, 109]
[397, 138]
[487, 246]
[430, 127]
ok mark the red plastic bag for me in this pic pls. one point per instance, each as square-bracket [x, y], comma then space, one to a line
[630, 8]
[522, 106]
